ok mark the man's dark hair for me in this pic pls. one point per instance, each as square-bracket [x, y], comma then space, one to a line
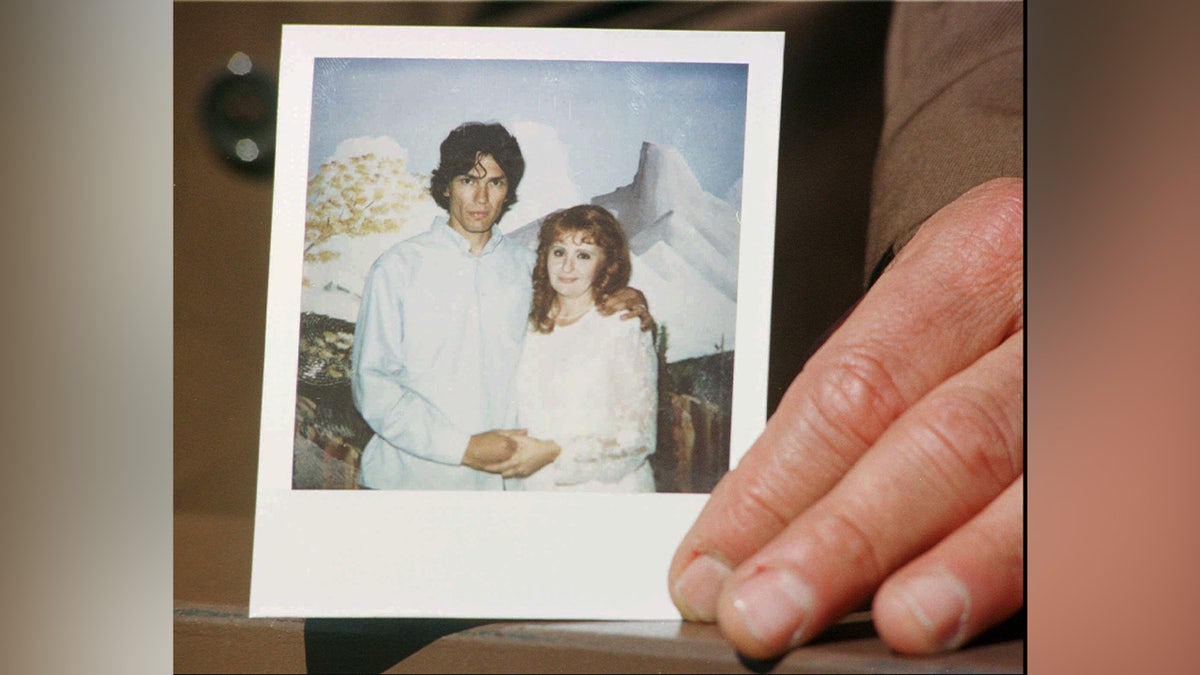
[461, 151]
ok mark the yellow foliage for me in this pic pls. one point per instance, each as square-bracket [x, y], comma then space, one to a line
[338, 201]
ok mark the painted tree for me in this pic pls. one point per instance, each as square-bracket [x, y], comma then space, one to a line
[355, 196]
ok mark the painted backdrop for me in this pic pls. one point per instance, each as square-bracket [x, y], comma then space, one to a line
[659, 144]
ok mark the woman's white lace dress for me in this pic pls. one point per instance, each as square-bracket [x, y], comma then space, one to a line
[592, 387]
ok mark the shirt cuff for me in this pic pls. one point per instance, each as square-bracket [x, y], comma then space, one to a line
[449, 445]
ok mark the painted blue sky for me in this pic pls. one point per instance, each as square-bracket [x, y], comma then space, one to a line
[580, 123]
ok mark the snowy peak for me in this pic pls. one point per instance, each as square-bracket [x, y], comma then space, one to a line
[662, 179]
[666, 203]
[685, 247]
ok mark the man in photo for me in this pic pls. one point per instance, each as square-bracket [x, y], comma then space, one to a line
[441, 325]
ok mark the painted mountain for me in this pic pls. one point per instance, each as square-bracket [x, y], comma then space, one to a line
[684, 243]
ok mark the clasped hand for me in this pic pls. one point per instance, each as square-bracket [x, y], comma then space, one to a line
[512, 453]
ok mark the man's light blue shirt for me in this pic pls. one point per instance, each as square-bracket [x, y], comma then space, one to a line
[436, 345]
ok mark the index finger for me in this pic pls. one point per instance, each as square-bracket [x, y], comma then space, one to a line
[953, 294]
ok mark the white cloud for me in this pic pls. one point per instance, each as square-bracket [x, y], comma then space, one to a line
[547, 184]
[382, 146]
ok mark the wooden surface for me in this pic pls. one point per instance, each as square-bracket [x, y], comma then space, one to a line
[222, 639]
[678, 647]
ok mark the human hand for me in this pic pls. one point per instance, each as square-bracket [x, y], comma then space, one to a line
[532, 454]
[631, 303]
[894, 464]
[490, 447]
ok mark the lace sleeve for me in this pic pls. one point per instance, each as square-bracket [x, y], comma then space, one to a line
[632, 365]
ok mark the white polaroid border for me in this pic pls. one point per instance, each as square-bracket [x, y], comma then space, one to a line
[365, 553]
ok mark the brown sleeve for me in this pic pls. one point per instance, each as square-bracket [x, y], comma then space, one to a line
[954, 113]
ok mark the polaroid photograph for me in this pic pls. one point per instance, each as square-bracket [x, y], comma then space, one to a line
[518, 314]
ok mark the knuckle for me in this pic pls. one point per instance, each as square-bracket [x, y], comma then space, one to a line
[969, 435]
[857, 397]
[991, 249]
[855, 544]
[972, 253]
[760, 507]
[748, 514]
[1005, 196]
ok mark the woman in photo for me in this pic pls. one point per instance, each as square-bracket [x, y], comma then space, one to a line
[586, 383]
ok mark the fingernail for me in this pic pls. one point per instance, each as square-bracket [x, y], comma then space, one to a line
[940, 603]
[775, 606]
[697, 588]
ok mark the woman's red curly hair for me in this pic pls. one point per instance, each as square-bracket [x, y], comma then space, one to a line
[598, 227]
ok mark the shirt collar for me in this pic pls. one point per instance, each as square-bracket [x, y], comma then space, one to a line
[441, 224]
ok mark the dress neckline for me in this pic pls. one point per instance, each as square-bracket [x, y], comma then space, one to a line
[575, 321]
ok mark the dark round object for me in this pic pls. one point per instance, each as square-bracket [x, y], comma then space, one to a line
[238, 114]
